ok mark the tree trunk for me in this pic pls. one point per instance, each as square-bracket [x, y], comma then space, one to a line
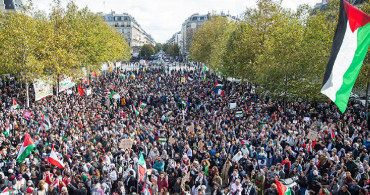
[57, 85]
[367, 96]
[27, 95]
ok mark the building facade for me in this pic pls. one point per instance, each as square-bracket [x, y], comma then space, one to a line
[124, 23]
[190, 26]
[10, 5]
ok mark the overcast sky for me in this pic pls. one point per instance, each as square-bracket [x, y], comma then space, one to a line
[162, 18]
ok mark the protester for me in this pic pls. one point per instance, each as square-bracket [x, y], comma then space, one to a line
[192, 140]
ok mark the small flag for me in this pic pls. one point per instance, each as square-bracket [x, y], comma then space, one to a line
[216, 83]
[142, 105]
[15, 105]
[122, 75]
[204, 67]
[239, 114]
[281, 109]
[243, 142]
[8, 191]
[220, 92]
[112, 94]
[54, 159]
[7, 132]
[45, 118]
[132, 76]
[332, 135]
[162, 139]
[188, 78]
[27, 147]
[141, 167]
[282, 189]
[80, 91]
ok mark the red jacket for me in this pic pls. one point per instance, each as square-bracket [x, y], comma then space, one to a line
[162, 183]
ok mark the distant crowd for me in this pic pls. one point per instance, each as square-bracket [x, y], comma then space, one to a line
[195, 139]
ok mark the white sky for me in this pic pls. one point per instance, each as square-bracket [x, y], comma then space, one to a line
[162, 18]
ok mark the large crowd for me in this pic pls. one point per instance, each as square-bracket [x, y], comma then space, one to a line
[194, 139]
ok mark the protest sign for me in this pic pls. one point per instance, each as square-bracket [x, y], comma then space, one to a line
[232, 105]
[125, 143]
[27, 114]
[312, 135]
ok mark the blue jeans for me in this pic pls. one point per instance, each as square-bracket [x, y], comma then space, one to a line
[303, 191]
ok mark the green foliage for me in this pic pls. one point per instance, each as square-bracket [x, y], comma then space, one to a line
[173, 50]
[158, 47]
[283, 53]
[146, 51]
[34, 45]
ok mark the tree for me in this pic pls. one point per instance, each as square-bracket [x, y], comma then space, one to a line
[173, 50]
[158, 47]
[205, 37]
[146, 51]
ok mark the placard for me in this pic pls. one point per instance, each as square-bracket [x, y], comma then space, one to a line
[27, 114]
[42, 89]
[171, 140]
[232, 105]
[312, 135]
[306, 118]
[191, 128]
[125, 143]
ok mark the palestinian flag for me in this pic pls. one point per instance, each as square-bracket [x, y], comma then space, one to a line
[142, 105]
[239, 114]
[188, 78]
[216, 83]
[54, 159]
[220, 92]
[15, 105]
[332, 135]
[27, 147]
[282, 189]
[6, 132]
[45, 118]
[350, 45]
[8, 191]
[141, 168]
[162, 139]
[122, 75]
[112, 94]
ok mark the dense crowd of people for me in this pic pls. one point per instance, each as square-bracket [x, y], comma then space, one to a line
[194, 139]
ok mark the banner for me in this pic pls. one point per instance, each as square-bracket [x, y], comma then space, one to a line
[42, 89]
[27, 114]
[65, 83]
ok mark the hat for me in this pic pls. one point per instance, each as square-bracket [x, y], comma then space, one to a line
[10, 171]
[237, 180]
[20, 177]
[12, 177]
[29, 190]
[84, 178]
[361, 169]
[29, 182]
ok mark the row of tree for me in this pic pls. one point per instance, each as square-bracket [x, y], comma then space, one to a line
[35, 45]
[281, 52]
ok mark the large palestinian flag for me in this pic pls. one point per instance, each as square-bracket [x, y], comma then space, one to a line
[350, 44]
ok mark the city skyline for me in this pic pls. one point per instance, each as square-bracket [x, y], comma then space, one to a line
[162, 18]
